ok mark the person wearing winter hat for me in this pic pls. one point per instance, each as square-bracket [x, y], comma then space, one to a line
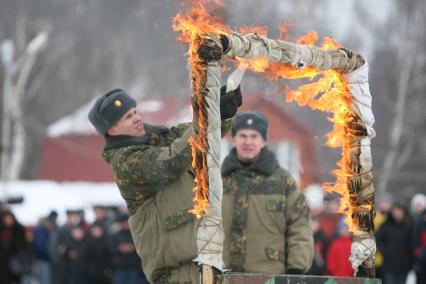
[266, 219]
[109, 109]
[394, 239]
[152, 168]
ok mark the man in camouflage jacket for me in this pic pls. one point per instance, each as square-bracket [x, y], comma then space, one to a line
[266, 219]
[152, 168]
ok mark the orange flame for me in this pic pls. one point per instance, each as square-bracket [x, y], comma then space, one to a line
[308, 39]
[197, 21]
[284, 30]
[199, 142]
[192, 26]
[329, 43]
[326, 91]
[261, 30]
[330, 94]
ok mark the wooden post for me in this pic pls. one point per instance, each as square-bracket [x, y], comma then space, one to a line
[207, 275]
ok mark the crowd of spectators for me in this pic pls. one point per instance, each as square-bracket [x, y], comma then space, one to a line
[75, 252]
[103, 251]
[400, 233]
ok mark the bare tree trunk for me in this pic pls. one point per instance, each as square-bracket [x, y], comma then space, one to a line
[396, 128]
[406, 58]
[18, 140]
[19, 135]
[13, 132]
[6, 123]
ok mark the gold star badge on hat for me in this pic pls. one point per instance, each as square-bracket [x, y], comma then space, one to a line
[249, 121]
[117, 103]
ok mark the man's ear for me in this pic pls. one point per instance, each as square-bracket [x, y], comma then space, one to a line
[113, 131]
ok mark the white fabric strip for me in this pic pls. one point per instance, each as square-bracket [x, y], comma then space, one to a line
[252, 46]
[363, 246]
[210, 233]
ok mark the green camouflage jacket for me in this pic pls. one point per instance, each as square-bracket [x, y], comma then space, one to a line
[155, 178]
[266, 219]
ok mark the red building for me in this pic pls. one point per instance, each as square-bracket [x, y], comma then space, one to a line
[73, 156]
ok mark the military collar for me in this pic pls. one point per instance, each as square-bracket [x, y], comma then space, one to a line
[266, 163]
[119, 141]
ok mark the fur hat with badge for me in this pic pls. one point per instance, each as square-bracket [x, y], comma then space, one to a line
[109, 108]
[251, 120]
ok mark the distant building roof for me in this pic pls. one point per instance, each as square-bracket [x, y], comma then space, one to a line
[168, 111]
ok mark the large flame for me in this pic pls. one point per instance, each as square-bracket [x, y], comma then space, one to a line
[325, 91]
[330, 94]
[193, 25]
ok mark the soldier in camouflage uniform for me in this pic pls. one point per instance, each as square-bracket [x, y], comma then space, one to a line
[152, 168]
[266, 219]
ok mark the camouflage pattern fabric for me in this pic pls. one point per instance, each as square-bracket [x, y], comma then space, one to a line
[302, 207]
[264, 213]
[178, 219]
[155, 178]
[137, 170]
[238, 228]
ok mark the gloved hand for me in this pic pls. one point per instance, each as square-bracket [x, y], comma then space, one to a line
[224, 41]
[210, 50]
[229, 102]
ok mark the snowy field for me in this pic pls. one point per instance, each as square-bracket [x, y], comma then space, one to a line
[41, 197]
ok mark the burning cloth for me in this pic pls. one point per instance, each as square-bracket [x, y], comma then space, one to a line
[352, 69]
[358, 130]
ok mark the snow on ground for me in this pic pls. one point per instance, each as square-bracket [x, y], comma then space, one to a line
[41, 197]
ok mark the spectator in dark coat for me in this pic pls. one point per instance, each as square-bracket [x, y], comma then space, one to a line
[384, 204]
[318, 264]
[100, 216]
[74, 257]
[14, 258]
[125, 261]
[98, 256]
[58, 240]
[394, 239]
[40, 248]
